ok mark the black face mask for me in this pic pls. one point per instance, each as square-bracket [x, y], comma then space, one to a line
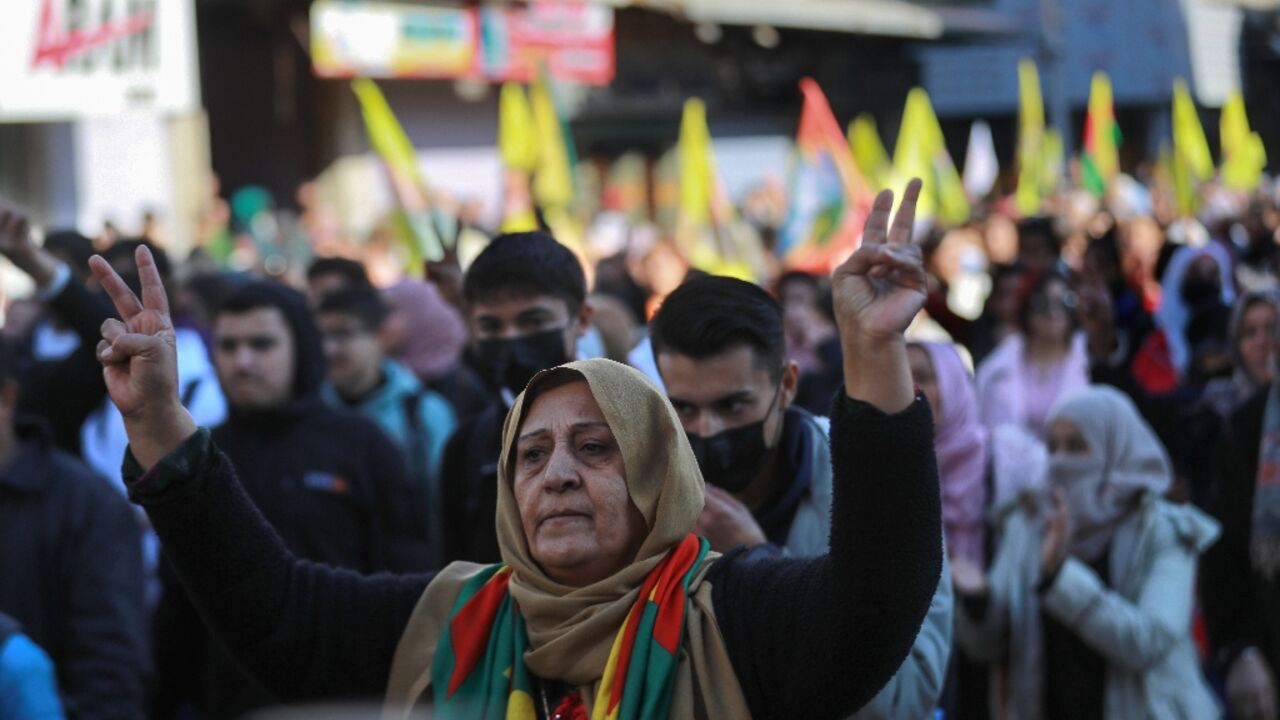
[731, 459]
[512, 363]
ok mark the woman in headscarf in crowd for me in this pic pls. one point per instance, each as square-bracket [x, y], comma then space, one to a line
[1089, 600]
[960, 442]
[605, 603]
[1240, 583]
[1197, 284]
[1252, 334]
[1044, 361]
[428, 335]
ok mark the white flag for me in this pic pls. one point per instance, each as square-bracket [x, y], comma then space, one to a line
[980, 164]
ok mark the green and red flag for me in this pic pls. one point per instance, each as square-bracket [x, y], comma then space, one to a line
[1100, 161]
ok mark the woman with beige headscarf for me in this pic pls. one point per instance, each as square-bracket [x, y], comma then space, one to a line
[605, 603]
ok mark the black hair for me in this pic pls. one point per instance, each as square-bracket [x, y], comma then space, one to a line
[352, 272]
[362, 303]
[1038, 227]
[710, 315]
[1034, 286]
[308, 353]
[72, 247]
[523, 265]
[799, 277]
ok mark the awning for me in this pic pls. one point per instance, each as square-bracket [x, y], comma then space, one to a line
[869, 17]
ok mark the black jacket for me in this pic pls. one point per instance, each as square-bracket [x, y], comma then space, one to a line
[71, 574]
[333, 486]
[469, 487]
[1241, 607]
[809, 638]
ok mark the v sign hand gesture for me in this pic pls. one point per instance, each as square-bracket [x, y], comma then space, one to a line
[140, 365]
[877, 293]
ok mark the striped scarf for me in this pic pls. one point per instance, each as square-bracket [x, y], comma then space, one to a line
[479, 669]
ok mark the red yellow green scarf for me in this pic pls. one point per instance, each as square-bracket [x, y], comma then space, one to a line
[479, 671]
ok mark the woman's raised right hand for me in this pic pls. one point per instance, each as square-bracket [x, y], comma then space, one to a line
[140, 365]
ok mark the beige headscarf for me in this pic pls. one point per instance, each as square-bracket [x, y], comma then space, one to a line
[572, 629]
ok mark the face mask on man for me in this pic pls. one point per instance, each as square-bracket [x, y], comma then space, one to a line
[512, 362]
[731, 459]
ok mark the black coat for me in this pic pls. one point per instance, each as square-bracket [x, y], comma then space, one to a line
[71, 574]
[469, 473]
[1241, 607]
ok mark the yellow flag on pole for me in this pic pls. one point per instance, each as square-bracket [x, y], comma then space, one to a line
[869, 153]
[1192, 162]
[921, 151]
[1031, 134]
[1243, 155]
[414, 222]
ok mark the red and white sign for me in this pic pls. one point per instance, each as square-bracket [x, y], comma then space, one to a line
[61, 60]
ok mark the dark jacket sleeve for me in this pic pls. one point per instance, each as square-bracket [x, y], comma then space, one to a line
[105, 666]
[177, 648]
[819, 637]
[1226, 587]
[301, 629]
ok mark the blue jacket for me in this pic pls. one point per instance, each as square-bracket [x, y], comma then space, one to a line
[28, 690]
[420, 422]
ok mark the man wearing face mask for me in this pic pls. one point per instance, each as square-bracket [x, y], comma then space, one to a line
[526, 310]
[720, 349]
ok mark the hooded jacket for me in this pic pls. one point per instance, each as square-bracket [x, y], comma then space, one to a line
[334, 487]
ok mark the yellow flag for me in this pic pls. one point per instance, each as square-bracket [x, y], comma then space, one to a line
[707, 228]
[1192, 163]
[1030, 139]
[921, 152]
[869, 153]
[696, 165]
[1243, 156]
[1188, 135]
[517, 139]
[413, 222]
[553, 179]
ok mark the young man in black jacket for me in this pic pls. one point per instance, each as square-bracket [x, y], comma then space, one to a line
[329, 481]
[526, 308]
[71, 567]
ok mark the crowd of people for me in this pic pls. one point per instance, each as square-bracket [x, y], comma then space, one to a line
[1028, 467]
